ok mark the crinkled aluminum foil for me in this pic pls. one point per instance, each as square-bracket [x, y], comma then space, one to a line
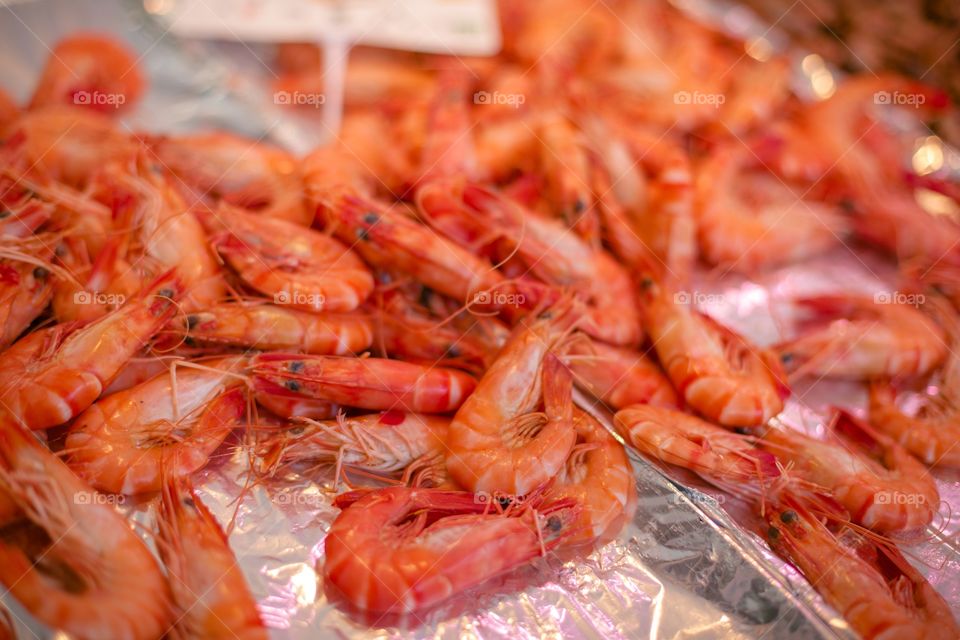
[685, 567]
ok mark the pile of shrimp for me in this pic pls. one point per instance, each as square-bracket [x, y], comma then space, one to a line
[405, 315]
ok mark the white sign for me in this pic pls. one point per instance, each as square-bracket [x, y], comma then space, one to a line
[462, 27]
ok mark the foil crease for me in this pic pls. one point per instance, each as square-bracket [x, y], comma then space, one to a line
[689, 564]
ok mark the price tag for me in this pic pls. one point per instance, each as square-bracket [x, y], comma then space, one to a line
[462, 27]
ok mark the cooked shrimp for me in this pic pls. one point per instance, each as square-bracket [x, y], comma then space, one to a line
[599, 478]
[171, 423]
[91, 71]
[499, 440]
[70, 553]
[297, 266]
[244, 173]
[169, 235]
[383, 443]
[400, 550]
[26, 284]
[862, 338]
[21, 211]
[749, 219]
[70, 145]
[53, 374]
[389, 240]
[559, 258]
[728, 460]
[267, 326]
[619, 376]
[718, 373]
[870, 584]
[91, 288]
[210, 594]
[875, 479]
[366, 383]
[932, 434]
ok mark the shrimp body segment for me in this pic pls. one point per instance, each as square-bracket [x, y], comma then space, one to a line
[498, 440]
[297, 266]
[873, 587]
[728, 460]
[381, 561]
[881, 485]
[620, 376]
[599, 478]
[72, 561]
[266, 326]
[721, 375]
[209, 591]
[174, 421]
[51, 375]
[367, 383]
[860, 338]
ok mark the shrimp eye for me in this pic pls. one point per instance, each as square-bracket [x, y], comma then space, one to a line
[188, 502]
[190, 342]
[554, 524]
[60, 251]
[292, 385]
[646, 283]
[743, 431]
[847, 205]
[371, 218]
[454, 351]
[165, 293]
[504, 501]
[788, 516]
[40, 273]
[579, 206]
[4, 213]
[362, 234]
[773, 533]
[296, 366]
[786, 357]
[192, 321]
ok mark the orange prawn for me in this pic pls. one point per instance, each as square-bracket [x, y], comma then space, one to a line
[51, 375]
[366, 383]
[498, 440]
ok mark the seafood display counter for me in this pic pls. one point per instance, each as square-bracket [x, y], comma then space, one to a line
[643, 325]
